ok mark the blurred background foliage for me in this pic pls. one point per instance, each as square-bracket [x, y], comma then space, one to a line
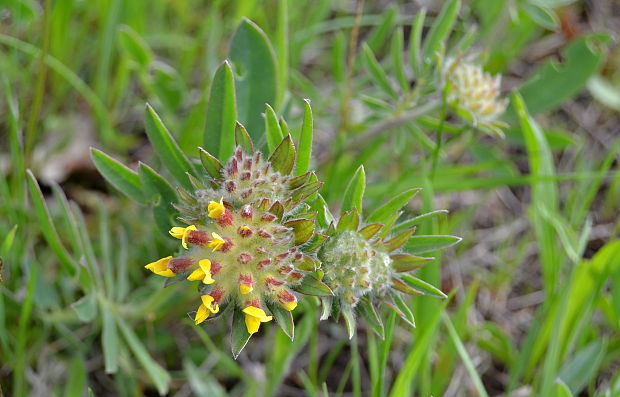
[534, 307]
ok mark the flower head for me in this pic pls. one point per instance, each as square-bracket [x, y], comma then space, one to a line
[253, 317]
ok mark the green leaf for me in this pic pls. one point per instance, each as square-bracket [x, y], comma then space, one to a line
[377, 73]
[211, 164]
[405, 263]
[243, 139]
[159, 376]
[302, 228]
[415, 43]
[397, 241]
[543, 16]
[284, 318]
[304, 154]
[417, 220]
[561, 390]
[583, 367]
[402, 309]
[398, 63]
[368, 312]
[135, 47]
[121, 177]
[354, 193]
[422, 286]
[310, 285]
[254, 64]
[422, 244]
[76, 383]
[46, 225]
[369, 231]
[384, 212]
[283, 158]
[440, 30]
[219, 134]
[553, 84]
[239, 336]
[272, 128]
[349, 320]
[160, 194]
[109, 341]
[167, 149]
[86, 308]
[350, 220]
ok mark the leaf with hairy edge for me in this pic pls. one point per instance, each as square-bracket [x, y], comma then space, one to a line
[211, 164]
[283, 318]
[239, 335]
[310, 285]
[350, 220]
[405, 263]
[242, 138]
[422, 244]
[305, 141]
[368, 312]
[397, 241]
[306, 191]
[422, 286]
[316, 241]
[167, 148]
[283, 158]
[303, 229]
[382, 213]
[299, 180]
[219, 136]
[254, 64]
[369, 231]
[272, 129]
[119, 176]
[354, 193]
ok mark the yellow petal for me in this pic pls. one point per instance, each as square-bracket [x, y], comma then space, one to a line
[216, 209]
[160, 267]
[257, 313]
[290, 306]
[201, 315]
[252, 324]
[205, 265]
[177, 232]
[185, 234]
[217, 242]
[207, 300]
[196, 275]
[245, 289]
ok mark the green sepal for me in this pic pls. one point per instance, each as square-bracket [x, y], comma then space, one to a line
[307, 264]
[421, 244]
[350, 220]
[405, 262]
[306, 191]
[283, 157]
[368, 312]
[397, 241]
[311, 285]
[369, 231]
[243, 139]
[196, 183]
[299, 181]
[186, 196]
[315, 242]
[273, 132]
[387, 225]
[303, 229]
[211, 164]
[283, 318]
[401, 308]
[422, 287]
[349, 320]
[277, 209]
[239, 335]
[400, 285]
[384, 212]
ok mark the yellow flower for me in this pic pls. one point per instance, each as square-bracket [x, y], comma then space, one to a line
[253, 317]
[202, 273]
[161, 267]
[206, 308]
[182, 233]
[245, 289]
[216, 209]
[217, 242]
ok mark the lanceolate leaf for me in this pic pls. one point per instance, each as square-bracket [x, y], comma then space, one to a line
[310, 285]
[440, 31]
[383, 213]
[350, 220]
[369, 231]
[254, 64]
[422, 286]
[166, 148]
[417, 220]
[406, 263]
[303, 229]
[242, 138]
[305, 141]
[354, 193]
[221, 114]
[402, 309]
[283, 157]
[272, 129]
[367, 310]
[160, 194]
[349, 320]
[422, 244]
[239, 335]
[397, 241]
[211, 164]
[284, 318]
[121, 177]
